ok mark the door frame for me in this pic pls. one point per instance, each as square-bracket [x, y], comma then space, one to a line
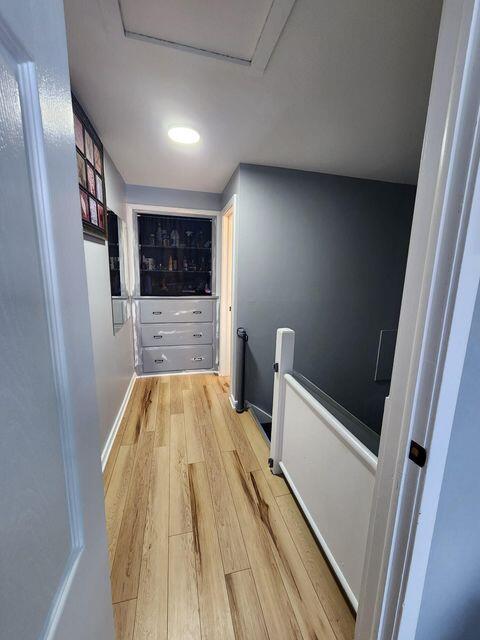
[230, 210]
[80, 602]
[441, 285]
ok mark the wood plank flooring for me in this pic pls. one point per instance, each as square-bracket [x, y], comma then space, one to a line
[204, 543]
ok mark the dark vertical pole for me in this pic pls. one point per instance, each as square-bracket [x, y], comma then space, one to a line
[242, 334]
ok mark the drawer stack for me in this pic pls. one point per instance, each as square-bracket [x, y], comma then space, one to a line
[176, 335]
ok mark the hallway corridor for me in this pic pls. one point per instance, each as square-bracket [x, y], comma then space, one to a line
[204, 542]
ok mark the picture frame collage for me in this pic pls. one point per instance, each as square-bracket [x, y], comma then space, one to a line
[91, 176]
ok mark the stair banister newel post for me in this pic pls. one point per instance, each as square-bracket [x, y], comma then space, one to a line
[284, 351]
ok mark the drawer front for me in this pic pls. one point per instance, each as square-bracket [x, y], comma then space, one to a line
[159, 335]
[156, 359]
[176, 311]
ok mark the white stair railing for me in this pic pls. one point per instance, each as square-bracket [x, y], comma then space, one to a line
[284, 351]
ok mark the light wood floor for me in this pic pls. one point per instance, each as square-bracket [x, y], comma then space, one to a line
[204, 542]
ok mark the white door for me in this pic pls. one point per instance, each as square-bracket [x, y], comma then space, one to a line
[53, 559]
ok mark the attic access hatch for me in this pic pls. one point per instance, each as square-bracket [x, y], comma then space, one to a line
[243, 33]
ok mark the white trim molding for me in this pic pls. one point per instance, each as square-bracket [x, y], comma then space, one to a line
[270, 33]
[232, 205]
[442, 278]
[259, 414]
[284, 352]
[116, 425]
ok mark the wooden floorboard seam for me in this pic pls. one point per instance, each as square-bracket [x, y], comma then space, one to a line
[306, 570]
[128, 491]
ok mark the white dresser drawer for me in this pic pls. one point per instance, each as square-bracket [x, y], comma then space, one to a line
[155, 311]
[177, 333]
[157, 359]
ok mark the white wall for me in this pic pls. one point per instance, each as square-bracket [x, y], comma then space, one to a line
[113, 355]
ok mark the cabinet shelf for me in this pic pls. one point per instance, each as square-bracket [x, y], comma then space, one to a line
[159, 246]
[172, 271]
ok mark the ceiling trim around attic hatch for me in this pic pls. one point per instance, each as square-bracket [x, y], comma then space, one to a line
[272, 29]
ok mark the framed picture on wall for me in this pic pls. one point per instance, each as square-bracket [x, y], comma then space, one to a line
[89, 147]
[97, 156]
[84, 205]
[91, 179]
[99, 187]
[82, 175]
[93, 210]
[101, 216]
[79, 140]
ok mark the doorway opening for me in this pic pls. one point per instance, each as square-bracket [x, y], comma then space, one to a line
[226, 366]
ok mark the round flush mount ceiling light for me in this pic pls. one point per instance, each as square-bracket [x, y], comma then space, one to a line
[184, 135]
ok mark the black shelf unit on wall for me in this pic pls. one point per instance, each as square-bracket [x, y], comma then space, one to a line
[175, 255]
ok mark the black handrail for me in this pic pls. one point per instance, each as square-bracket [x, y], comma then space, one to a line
[242, 334]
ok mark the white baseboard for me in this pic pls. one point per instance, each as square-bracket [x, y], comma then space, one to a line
[169, 374]
[233, 402]
[114, 430]
[260, 413]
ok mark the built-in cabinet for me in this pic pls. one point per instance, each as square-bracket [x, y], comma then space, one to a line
[175, 255]
[176, 306]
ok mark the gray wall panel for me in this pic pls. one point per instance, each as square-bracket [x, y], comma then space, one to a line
[324, 255]
[137, 194]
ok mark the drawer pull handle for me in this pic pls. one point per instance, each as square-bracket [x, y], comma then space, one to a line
[157, 337]
[159, 360]
[197, 335]
[156, 313]
[197, 312]
[197, 359]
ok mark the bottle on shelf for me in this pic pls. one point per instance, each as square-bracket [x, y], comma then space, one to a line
[151, 264]
[177, 246]
[174, 237]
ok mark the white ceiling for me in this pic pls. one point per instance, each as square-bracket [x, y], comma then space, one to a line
[345, 91]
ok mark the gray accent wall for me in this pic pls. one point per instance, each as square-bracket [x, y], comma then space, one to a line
[137, 194]
[324, 255]
[450, 606]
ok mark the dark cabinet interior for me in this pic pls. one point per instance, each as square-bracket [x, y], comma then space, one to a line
[114, 254]
[175, 255]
